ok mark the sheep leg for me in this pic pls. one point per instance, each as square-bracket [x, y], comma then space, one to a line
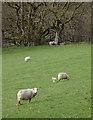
[29, 100]
[19, 102]
[59, 80]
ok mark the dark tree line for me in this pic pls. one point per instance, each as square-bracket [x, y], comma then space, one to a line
[32, 23]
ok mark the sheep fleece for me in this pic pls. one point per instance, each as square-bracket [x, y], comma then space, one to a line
[63, 75]
[25, 94]
[27, 59]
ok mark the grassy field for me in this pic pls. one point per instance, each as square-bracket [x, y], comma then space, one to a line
[64, 99]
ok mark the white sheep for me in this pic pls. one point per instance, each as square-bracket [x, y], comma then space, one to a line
[26, 94]
[52, 43]
[63, 43]
[27, 59]
[54, 79]
[62, 76]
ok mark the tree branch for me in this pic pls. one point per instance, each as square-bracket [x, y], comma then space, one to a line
[15, 7]
[73, 14]
[38, 6]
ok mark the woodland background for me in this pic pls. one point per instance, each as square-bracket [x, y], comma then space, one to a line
[37, 23]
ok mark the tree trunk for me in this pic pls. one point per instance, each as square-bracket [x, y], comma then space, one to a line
[57, 36]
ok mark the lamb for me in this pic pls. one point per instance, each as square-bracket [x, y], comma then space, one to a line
[62, 76]
[54, 79]
[27, 59]
[26, 94]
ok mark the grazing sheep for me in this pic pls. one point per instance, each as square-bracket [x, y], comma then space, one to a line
[26, 94]
[54, 79]
[62, 76]
[27, 59]
[52, 43]
[63, 43]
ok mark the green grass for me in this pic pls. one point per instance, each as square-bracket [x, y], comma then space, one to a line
[66, 99]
